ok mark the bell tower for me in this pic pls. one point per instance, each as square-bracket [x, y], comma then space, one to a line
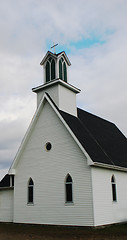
[55, 68]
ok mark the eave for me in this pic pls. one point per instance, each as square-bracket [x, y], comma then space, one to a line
[56, 81]
[6, 188]
[107, 166]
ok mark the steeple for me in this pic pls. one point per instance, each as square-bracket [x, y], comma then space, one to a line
[55, 66]
[56, 84]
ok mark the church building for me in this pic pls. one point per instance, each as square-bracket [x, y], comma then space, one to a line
[71, 167]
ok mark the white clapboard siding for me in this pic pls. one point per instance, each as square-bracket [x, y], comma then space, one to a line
[61, 95]
[105, 210]
[6, 205]
[48, 171]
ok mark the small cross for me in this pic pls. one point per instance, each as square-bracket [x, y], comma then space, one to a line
[54, 47]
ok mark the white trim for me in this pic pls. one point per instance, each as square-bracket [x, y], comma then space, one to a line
[70, 131]
[103, 165]
[88, 158]
[68, 203]
[55, 56]
[19, 152]
[56, 81]
[30, 186]
[28, 132]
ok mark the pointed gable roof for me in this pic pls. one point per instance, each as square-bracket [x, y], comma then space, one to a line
[5, 182]
[54, 55]
[100, 140]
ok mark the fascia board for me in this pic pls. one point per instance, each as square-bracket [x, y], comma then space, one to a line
[102, 165]
[65, 56]
[28, 132]
[89, 160]
[6, 188]
[46, 56]
[56, 81]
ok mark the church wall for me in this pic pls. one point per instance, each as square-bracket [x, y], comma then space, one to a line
[63, 97]
[52, 91]
[48, 171]
[67, 101]
[6, 205]
[107, 211]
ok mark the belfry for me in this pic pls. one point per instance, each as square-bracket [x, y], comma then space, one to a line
[55, 67]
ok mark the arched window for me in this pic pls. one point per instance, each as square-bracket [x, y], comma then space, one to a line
[114, 195]
[65, 72]
[47, 72]
[68, 189]
[50, 69]
[30, 190]
[62, 70]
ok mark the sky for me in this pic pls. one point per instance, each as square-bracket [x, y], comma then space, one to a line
[93, 33]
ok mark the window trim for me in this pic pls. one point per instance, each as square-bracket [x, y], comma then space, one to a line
[114, 189]
[62, 69]
[50, 70]
[67, 183]
[28, 187]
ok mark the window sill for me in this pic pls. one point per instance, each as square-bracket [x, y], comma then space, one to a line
[69, 204]
[30, 204]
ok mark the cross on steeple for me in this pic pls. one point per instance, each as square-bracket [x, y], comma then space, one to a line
[54, 45]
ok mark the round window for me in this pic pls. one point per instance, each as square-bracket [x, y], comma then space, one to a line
[48, 146]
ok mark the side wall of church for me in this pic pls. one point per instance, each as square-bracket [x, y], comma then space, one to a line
[107, 211]
[6, 205]
[48, 170]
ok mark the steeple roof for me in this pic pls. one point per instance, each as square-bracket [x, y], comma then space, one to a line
[54, 55]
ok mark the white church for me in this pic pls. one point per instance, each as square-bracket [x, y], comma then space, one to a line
[71, 167]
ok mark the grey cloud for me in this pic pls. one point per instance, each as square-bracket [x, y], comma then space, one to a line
[99, 71]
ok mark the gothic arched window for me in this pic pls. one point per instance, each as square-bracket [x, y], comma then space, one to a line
[50, 69]
[65, 72]
[62, 70]
[114, 195]
[68, 189]
[47, 72]
[30, 190]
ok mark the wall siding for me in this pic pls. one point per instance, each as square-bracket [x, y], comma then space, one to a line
[48, 171]
[6, 205]
[61, 95]
[105, 210]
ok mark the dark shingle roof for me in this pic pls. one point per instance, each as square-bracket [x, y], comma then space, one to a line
[5, 182]
[101, 139]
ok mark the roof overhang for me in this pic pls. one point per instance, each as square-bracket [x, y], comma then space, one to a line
[102, 165]
[56, 81]
[6, 188]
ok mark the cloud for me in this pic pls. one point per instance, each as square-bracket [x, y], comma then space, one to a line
[93, 33]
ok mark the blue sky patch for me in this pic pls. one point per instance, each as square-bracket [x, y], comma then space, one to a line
[84, 43]
[93, 40]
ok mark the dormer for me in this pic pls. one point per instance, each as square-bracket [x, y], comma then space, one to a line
[55, 66]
